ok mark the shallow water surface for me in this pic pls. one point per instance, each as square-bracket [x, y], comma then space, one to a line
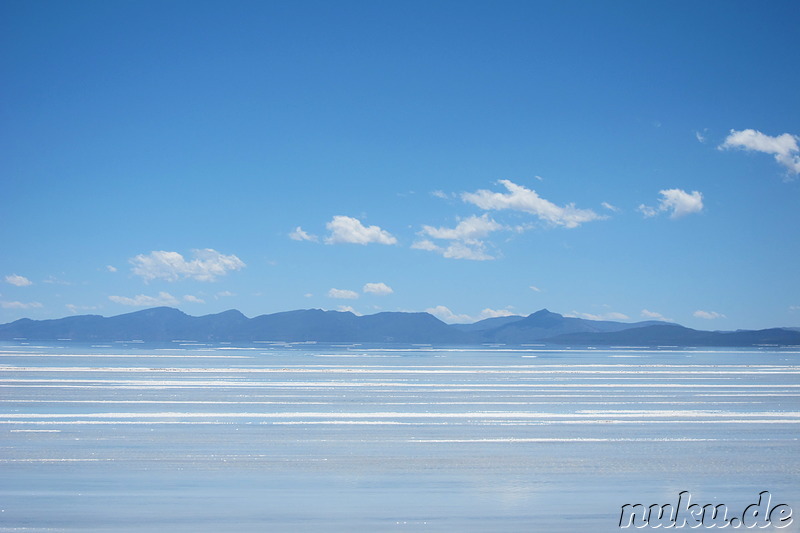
[298, 437]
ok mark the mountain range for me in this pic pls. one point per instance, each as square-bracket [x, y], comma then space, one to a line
[167, 324]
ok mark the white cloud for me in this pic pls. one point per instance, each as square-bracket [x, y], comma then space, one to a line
[20, 305]
[652, 315]
[534, 288]
[708, 315]
[207, 265]
[73, 309]
[466, 238]
[425, 244]
[784, 147]
[111, 268]
[350, 230]
[380, 289]
[469, 230]
[141, 300]
[520, 198]
[440, 194]
[494, 313]
[348, 309]
[680, 202]
[610, 207]
[342, 294]
[19, 281]
[223, 294]
[193, 299]
[299, 235]
[611, 315]
[446, 315]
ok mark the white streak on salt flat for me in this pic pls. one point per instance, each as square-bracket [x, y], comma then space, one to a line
[384, 384]
[141, 356]
[565, 439]
[787, 416]
[540, 370]
[388, 422]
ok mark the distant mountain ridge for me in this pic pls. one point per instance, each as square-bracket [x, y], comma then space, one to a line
[168, 324]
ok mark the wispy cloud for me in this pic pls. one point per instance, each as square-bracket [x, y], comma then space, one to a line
[701, 135]
[679, 202]
[444, 314]
[652, 315]
[19, 281]
[380, 289]
[111, 268]
[142, 300]
[534, 288]
[708, 315]
[343, 294]
[20, 305]
[299, 235]
[207, 265]
[345, 229]
[348, 309]
[520, 198]
[193, 299]
[784, 147]
[611, 315]
[75, 309]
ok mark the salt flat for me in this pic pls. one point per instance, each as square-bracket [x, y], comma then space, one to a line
[281, 437]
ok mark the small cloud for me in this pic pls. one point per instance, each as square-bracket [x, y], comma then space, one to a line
[519, 198]
[224, 294]
[652, 315]
[446, 315]
[701, 136]
[381, 289]
[19, 281]
[794, 308]
[708, 315]
[343, 294]
[610, 207]
[539, 178]
[141, 300]
[494, 313]
[207, 265]
[20, 305]
[111, 268]
[74, 309]
[611, 315]
[348, 309]
[308, 295]
[299, 235]
[784, 147]
[680, 202]
[193, 299]
[350, 230]
[440, 194]
[534, 288]
[52, 280]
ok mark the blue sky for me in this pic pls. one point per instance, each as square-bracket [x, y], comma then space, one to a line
[625, 160]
